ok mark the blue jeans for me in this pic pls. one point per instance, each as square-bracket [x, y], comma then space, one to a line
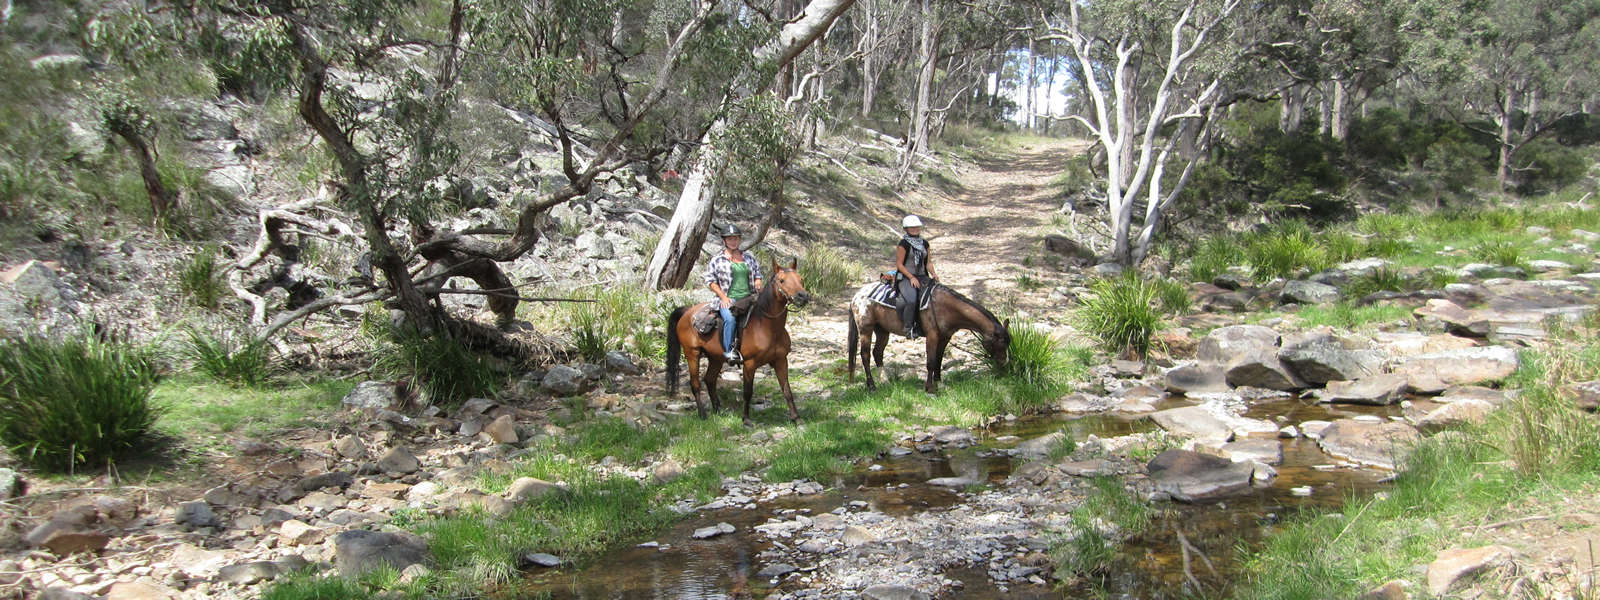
[727, 329]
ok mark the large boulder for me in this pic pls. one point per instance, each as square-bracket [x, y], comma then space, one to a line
[1196, 378]
[1379, 390]
[358, 551]
[1461, 412]
[1262, 369]
[1309, 292]
[1224, 344]
[563, 380]
[1209, 422]
[373, 395]
[1194, 477]
[1455, 319]
[1377, 443]
[1322, 360]
[1459, 367]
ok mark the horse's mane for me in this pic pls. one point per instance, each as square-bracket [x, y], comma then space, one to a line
[767, 296]
[993, 320]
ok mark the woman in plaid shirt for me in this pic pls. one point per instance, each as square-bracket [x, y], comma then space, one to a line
[735, 276]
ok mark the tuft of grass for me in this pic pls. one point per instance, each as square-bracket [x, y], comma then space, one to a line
[1120, 313]
[236, 358]
[1387, 247]
[1214, 256]
[826, 271]
[1347, 315]
[441, 365]
[77, 401]
[588, 332]
[1286, 251]
[1173, 296]
[200, 280]
[1382, 279]
[1035, 360]
[1088, 546]
[1499, 252]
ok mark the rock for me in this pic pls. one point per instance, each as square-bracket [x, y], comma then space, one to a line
[1193, 477]
[712, 531]
[853, 536]
[358, 551]
[666, 470]
[1457, 413]
[300, 533]
[399, 461]
[197, 562]
[331, 479]
[1545, 266]
[1457, 367]
[951, 435]
[1380, 444]
[196, 514]
[953, 482]
[594, 246]
[1224, 344]
[1196, 378]
[1127, 368]
[421, 492]
[1080, 402]
[1379, 390]
[139, 590]
[1309, 292]
[61, 593]
[526, 489]
[249, 573]
[620, 362]
[1108, 269]
[1451, 566]
[563, 380]
[12, 485]
[1231, 281]
[1320, 361]
[1457, 320]
[1397, 589]
[1041, 446]
[1413, 344]
[777, 570]
[1262, 370]
[1313, 429]
[1197, 422]
[322, 502]
[350, 447]
[503, 430]
[541, 559]
[373, 395]
[385, 490]
[893, 592]
[1263, 450]
[68, 542]
[1586, 395]
[1066, 246]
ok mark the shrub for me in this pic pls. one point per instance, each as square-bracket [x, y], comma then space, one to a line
[236, 358]
[201, 281]
[1120, 313]
[440, 364]
[826, 271]
[74, 402]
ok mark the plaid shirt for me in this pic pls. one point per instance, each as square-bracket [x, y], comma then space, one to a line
[720, 270]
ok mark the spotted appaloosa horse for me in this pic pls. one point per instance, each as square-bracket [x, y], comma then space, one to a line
[947, 313]
[764, 342]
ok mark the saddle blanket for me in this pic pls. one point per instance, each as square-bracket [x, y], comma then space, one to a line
[706, 319]
[888, 296]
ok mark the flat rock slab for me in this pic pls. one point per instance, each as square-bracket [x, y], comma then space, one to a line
[1321, 361]
[1209, 422]
[1379, 444]
[358, 551]
[1378, 390]
[1194, 477]
[1463, 412]
[1196, 378]
[1459, 367]
[1452, 566]
[1262, 450]
[1224, 344]
[894, 592]
[712, 531]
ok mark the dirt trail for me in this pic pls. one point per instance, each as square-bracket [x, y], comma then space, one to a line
[980, 238]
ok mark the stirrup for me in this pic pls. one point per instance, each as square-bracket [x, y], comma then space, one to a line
[733, 356]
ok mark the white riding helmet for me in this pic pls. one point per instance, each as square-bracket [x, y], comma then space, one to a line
[910, 221]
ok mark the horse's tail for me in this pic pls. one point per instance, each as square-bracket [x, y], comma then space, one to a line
[852, 341]
[674, 349]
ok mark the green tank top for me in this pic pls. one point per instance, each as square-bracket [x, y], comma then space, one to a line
[741, 281]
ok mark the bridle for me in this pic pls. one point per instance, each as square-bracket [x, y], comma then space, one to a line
[783, 297]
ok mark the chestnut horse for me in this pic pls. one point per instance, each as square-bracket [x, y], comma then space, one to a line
[764, 342]
[947, 313]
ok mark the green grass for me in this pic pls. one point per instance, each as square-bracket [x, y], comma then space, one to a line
[232, 357]
[1531, 457]
[826, 271]
[1040, 361]
[75, 401]
[199, 407]
[1504, 253]
[1346, 315]
[1121, 314]
[1287, 251]
[445, 368]
[1108, 514]
[1173, 297]
[200, 279]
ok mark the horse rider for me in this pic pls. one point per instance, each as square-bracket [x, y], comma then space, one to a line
[912, 272]
[735, 277]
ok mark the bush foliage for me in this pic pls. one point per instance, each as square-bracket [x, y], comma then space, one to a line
[74, 402]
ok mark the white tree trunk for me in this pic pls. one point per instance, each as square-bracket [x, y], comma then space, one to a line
[1033, 81]
[1502, 170]
[1340, 125]
[917, 137]
[869, 51]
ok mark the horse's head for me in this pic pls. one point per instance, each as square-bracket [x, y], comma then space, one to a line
[998, 343]
[786, 281]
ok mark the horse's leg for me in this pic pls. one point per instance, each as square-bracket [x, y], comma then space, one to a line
[749, 388]
[691, 355]
[934, 347]
[878, 346]
[864, 340]
[781, 368]
[938, 366]
[713, 373]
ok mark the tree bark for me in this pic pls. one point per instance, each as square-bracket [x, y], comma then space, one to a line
[1503, 166]
[869, 51]
[1293, 107]
[1340, 117]
[1028, 97]
[162, 198]
[917, 136]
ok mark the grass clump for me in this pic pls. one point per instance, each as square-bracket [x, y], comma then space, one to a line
[1213, 257]
[1173, 296]
[1121, 314]
[77, 401]
[1499, 252]
[1348, 315]
[197, 407]
[235, 358]
[1035, 360]
[826, 272]
[1089, 544]
[441, 365]
[1285, 251]
[200, 280]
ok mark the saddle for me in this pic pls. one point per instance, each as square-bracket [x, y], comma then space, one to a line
[708, 319]
[887, 294]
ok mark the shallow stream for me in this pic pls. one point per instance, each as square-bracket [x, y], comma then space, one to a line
[1148, 566]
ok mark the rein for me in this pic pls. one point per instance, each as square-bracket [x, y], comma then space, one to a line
[782, 298]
